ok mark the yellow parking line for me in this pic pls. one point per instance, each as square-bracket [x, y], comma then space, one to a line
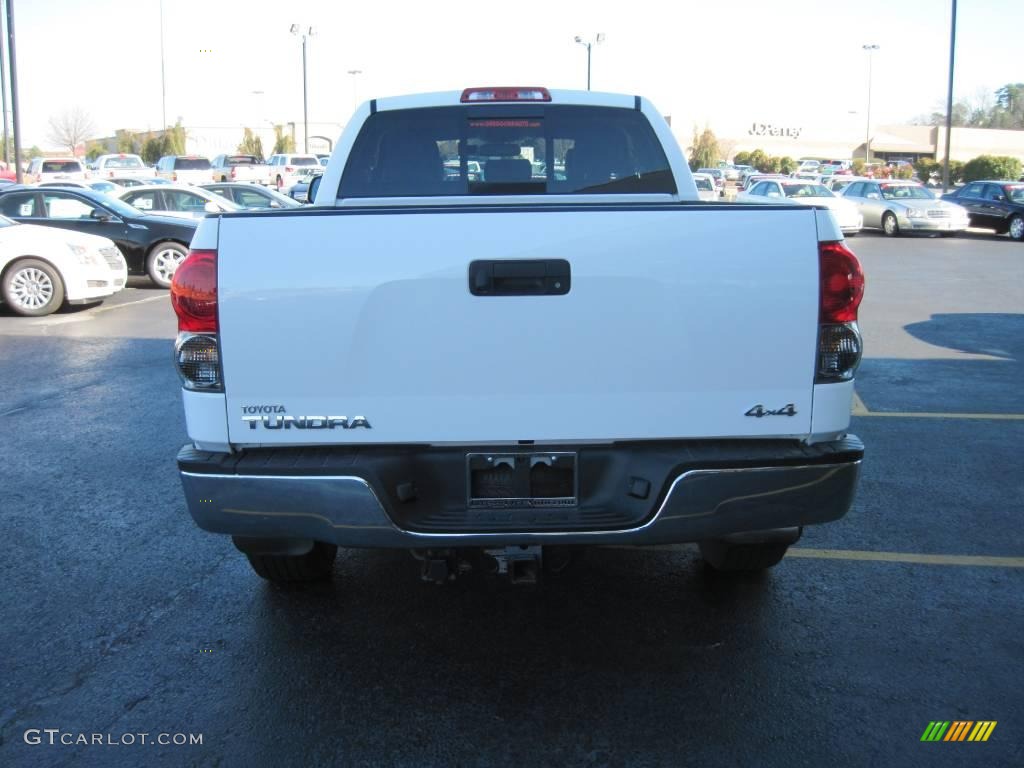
[907, 557]
[930, 415]
[860, 409]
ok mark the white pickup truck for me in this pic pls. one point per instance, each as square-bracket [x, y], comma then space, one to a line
[566, 348]
[240, 168]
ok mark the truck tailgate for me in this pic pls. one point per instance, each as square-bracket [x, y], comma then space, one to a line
[679, 319]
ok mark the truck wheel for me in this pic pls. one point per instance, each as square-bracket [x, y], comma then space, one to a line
[723, 556]
[32, 288]
[163, 259]
[1016, 228]
[315, 565]
[280, 183]
[889, 224]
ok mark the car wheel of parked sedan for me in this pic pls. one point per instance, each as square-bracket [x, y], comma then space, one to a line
[315, 565]
[725, 556]
[889, 224]
[1016, 228]
[163, 259]
[33, 288]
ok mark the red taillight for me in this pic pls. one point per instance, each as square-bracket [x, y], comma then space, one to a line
[842, 283]
[289, 169]
[194, 292]
[234, 173]
[174, 176]
[110, 174]
[505, 94]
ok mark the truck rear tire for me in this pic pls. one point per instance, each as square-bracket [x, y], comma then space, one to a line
[315, 565]
[725, 556]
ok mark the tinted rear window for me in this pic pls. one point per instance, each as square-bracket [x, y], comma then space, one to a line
[304, 161]
[240, 160]
[123, 162]
[506, 150]
[191, 164]
[61, 166]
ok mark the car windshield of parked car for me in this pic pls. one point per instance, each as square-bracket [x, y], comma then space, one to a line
[1015, 194]
[123, 162]
[806, 190]
[191, 164]
[5, 222]
[584, 150]
[704, 184]
[905, 192]
[61, 166]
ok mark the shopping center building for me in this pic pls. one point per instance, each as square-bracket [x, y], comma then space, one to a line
[844, 139]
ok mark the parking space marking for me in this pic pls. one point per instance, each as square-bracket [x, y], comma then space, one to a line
[90, 313]
[860, 409]
[130, 303]
[983, 561]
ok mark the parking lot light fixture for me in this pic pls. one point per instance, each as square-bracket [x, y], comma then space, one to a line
[870, 48]
[305, 32]
[588, 44]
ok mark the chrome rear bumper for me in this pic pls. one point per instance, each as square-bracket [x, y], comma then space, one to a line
[352, 511]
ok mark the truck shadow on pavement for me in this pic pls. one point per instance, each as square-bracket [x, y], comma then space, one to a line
[948, 384]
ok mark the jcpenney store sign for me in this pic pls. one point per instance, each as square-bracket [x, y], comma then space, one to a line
[769, 129]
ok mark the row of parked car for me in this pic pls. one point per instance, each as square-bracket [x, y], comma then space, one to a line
[899, 207]
[282, 171]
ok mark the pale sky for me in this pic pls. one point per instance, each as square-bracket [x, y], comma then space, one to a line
[726, 63]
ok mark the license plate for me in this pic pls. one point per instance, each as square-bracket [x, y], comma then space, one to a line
[517, 480]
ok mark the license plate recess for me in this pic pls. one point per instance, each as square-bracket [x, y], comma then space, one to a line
[521, 480]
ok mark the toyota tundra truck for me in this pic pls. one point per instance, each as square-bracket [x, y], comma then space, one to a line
[563, 348]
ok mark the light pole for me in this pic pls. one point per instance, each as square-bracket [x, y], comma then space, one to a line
[306, 33]
[949, 100]
[867, 131]
[163, 79]
[588, 44]
[355, 73]
[15, 112]
[3, 92]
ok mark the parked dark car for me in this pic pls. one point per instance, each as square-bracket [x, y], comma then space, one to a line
[996, 205]
[152, 245]
[300, 189]
[252, 197]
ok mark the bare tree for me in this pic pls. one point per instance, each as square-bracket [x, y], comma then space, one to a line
[70, 128]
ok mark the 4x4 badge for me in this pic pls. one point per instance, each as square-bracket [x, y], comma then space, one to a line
[759, 410]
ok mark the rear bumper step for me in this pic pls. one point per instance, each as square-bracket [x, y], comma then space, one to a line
[415, 497]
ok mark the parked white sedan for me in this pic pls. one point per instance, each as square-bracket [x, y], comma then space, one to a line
[806, 193]
[706, 189]
[186, 202]
[42, 267]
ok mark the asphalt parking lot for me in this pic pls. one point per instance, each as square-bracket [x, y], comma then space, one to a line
[120, 616]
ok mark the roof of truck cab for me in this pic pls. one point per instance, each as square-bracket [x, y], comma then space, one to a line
[558, 96]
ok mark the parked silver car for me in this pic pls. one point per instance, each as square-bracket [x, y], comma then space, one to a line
[896, 207]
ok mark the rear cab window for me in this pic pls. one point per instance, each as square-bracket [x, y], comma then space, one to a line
[61, 166]
[191, 164]
[123, 162]
[506, 150]
[236, 160]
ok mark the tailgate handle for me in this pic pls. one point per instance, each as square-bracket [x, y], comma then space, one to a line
[539, 277]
